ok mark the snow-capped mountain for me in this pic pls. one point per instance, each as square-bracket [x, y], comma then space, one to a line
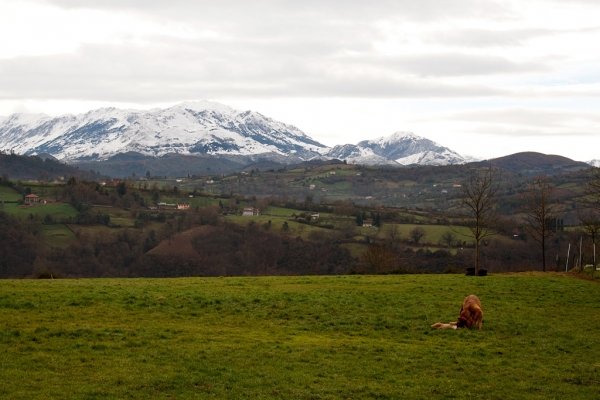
[404, 148]
[200, 128]
[188, 128]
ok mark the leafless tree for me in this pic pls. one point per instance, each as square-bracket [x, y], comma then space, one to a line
[591, 189]
[417, 233]
[448, 238]
[590, 216]
[394, 234]
[540, 212]
[478, 207]
[378, 259]
[590, 224]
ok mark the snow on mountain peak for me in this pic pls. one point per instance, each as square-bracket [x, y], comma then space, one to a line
[404, 148]
[190, 128]
[199, 127]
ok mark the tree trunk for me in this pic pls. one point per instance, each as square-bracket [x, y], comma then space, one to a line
[543, 253]
[477, 258]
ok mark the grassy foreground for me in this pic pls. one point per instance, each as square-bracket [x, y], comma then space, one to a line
[299, 337]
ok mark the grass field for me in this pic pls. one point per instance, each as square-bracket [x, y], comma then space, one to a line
[9, 194]
[322, 337]
[57, 235]
[57, 210]
[433, 232]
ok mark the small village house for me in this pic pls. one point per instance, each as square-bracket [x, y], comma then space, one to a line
[183, 206]
[250, 212]
[367, 222]
[31, 199]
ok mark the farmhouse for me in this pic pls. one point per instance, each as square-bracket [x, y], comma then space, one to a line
[183, 206]
[250, 212]
[314, 215]
[31, 199]
[311, 187]
[367, 222]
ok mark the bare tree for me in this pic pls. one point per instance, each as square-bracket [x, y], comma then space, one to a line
[394, 234]
[590, 224]
[417, 233]
[540, 212]
[590, 215]
[448, 238]
[378, 259]
[478, 207]
[591, 189]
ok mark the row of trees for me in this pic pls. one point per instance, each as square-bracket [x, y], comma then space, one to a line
[478, 209]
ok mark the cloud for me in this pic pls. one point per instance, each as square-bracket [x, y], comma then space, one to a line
[516, 132]
[517, 122]
[178, 70]
[528, 117]
[486, 38]
[248, 13]
[456, 64]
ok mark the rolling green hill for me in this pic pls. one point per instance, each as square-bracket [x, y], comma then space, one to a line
[299, 338]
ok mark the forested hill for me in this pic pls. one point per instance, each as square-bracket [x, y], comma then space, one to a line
[36, 168]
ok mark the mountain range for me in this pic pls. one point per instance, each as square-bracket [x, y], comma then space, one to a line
[200, 128]
[198, 136]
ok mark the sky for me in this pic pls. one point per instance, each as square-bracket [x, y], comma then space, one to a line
[486, 78]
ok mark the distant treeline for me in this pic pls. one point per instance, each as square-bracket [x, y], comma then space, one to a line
[14, 166]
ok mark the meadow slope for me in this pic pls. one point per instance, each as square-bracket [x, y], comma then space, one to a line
[312, 337]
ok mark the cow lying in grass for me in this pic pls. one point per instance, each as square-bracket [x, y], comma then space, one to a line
[470, 316]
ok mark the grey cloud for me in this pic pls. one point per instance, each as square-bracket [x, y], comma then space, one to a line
[172, 73]
[457, 64]
[481, 38]
[487, 38]
[242, 10]
[546, 118]
[524, 122]
[520, 132]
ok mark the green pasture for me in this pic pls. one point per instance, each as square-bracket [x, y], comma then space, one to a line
[57, 210]
[340, 337]
[9, 194]
[57, 235]
[280, 211]
[118, 216]
[433, 232]
[288, 212]
[294, 228]
[355, 249]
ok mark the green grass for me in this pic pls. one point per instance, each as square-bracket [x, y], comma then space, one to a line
[299, 338]
[57, 235]
[281, 212]
[9, 194]
[57, 210]
[433, 232]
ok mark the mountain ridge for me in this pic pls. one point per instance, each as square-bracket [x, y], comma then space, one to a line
[202, 127]
[210, 129]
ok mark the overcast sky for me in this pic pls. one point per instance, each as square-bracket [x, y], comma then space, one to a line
[484, 77]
